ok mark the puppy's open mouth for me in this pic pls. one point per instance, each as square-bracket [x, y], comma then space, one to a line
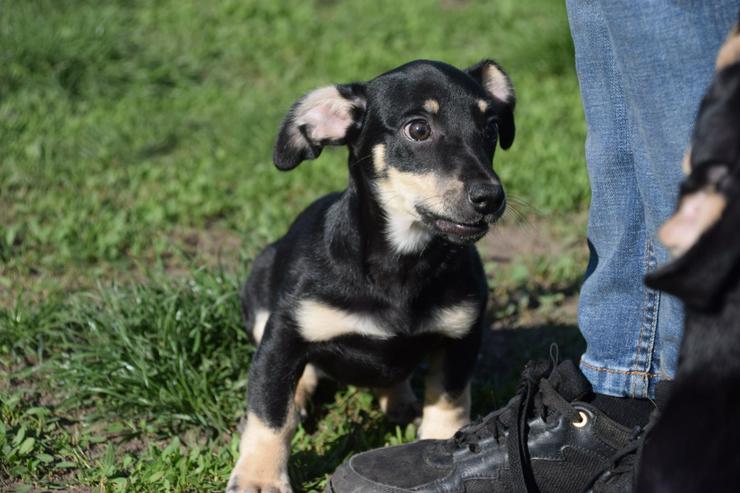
[462, 232]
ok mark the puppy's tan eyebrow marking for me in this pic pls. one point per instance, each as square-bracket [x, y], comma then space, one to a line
[431, 105]
[482, 105]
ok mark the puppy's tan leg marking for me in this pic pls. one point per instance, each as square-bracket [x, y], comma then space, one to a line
[399, 402]
[263, 457]
[305, 389]
[444, 413]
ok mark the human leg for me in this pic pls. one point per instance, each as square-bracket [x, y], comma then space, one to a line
[642, 70]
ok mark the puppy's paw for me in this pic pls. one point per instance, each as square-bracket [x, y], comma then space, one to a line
[236, 486]
[244, 480]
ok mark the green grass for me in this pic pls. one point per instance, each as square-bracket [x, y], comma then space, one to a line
[136, 185]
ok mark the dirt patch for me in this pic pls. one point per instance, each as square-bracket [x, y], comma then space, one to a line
[537, 247]
[534, 236]
[213, 246]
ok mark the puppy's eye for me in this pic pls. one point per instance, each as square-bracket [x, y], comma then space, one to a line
[492, 128]
[417, 130]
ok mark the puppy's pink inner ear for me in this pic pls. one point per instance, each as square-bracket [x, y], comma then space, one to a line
[327, 122]
[696, 214]
[326, 114]
[497, 83]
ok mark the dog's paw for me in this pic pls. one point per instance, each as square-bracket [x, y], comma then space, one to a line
[239, 485]
[440, 423]
[257, 487]
[246, 480]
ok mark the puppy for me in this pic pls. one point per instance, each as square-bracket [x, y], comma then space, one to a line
[369, 281]
[693, 446]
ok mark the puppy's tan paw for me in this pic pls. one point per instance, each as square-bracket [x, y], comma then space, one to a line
[444, 414]
[245, 481]
[263, 457]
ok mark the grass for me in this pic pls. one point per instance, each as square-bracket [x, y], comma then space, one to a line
[136, 185]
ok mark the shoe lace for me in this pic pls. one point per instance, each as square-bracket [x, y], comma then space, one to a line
[535, 397]
[627, 460]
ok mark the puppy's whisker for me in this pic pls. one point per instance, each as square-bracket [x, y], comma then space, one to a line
[519, 219]
[524, 204]
[361, 160]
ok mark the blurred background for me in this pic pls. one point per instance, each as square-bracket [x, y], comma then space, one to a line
[136, 185]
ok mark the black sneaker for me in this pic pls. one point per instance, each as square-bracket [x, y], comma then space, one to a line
[621, 475]
[543, 440]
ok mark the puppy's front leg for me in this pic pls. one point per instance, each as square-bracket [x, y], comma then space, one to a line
[446, 410]
[271, 414]
[447, 388]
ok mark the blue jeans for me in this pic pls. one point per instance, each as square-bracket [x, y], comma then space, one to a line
[643, 66]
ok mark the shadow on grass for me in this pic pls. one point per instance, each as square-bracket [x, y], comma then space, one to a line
[504, 353]
[309, 467]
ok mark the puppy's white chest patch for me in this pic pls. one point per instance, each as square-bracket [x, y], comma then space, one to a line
[318, 321]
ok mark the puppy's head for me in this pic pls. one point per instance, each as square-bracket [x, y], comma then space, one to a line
[704, 233]
[423, 136]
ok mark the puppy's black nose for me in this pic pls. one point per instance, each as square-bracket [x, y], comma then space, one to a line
[486, 197]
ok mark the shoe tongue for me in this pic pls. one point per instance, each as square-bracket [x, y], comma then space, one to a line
[570, 383]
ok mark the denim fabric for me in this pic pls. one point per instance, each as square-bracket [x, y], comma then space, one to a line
[642, 66]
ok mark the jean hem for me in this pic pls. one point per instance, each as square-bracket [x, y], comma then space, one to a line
[620, 382]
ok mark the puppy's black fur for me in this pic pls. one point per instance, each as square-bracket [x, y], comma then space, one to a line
[694, 445]
[356, 286]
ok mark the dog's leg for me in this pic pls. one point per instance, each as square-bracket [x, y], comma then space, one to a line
[447, 392]
[305, 389]
[445, 410]
[263, 457]
[271, 413]
[399, 402]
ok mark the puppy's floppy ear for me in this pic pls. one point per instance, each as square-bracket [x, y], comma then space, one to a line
[497, 84]
[702, 274]
[329, 115]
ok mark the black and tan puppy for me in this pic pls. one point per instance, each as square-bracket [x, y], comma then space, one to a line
[369, 281]
[694, 445]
